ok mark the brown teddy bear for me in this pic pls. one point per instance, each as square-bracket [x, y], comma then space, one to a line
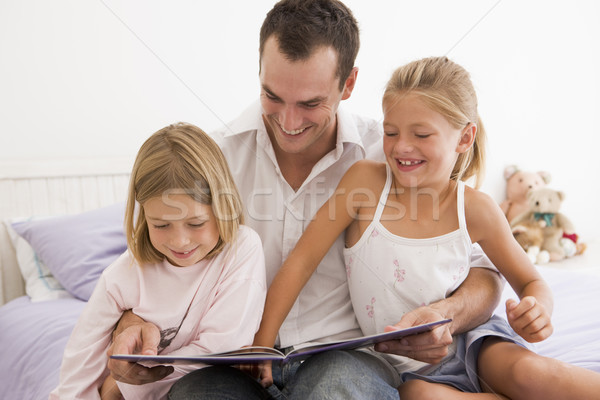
[530, 235]
[543, 213]
[518, 184]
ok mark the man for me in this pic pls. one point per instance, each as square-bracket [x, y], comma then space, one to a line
[287, 155]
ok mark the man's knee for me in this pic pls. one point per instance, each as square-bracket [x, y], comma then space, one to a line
[345, 375]
[218, 382]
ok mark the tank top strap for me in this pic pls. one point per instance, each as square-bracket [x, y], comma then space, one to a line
[460, 205]
[384, 194]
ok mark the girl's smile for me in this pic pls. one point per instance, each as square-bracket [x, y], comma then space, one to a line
[409, 165]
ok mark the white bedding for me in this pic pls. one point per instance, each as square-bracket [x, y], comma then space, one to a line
[575, 284]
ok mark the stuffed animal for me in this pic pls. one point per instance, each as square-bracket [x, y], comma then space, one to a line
[530, 235]
[518, 184]
[544, 206]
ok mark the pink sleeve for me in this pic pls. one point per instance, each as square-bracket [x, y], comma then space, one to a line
[83, 368]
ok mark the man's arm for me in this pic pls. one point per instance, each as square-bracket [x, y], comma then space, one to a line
[474, 301]
[471, 304]
[133, 335]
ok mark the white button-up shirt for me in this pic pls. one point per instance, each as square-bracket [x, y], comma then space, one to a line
[323, 310]
[279, 215]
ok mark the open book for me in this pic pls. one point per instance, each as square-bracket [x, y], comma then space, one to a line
[256, 354]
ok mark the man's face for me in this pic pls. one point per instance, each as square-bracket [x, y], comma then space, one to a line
[300, 100]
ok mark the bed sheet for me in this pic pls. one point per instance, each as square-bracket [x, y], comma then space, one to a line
[576, 316]
[33, 337]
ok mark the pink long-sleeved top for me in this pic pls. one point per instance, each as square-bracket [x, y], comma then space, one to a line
[213, 306]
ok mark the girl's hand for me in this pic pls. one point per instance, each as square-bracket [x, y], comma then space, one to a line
[266, 374]
[262, 372]
[529, 319]
[136, 339]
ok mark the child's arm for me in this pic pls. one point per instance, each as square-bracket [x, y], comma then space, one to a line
[329, 222]
[488, 226]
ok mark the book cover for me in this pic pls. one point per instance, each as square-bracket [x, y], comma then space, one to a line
[257, 354]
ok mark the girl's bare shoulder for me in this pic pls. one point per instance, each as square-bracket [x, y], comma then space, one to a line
[367, 173]
[481, 210]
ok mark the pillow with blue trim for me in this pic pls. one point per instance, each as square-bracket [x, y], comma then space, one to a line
[40, 285]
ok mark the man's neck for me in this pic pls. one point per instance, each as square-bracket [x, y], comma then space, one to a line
[296, 167]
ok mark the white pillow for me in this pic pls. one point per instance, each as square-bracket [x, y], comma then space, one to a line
[40, 285]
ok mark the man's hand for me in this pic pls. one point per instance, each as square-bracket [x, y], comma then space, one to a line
[109, 390]
[136, 339]
[430, 347]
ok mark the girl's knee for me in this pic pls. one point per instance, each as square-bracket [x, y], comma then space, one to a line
[507, 367]
[532, 372]
[416, 389]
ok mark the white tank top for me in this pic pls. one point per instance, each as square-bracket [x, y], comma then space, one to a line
[389, 275]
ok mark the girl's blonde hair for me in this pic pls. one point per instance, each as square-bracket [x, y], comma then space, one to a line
[181, 156]
[446, 87]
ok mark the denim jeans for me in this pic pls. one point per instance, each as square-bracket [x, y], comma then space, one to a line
[339, 375]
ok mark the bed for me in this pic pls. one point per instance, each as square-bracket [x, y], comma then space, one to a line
[59, 229]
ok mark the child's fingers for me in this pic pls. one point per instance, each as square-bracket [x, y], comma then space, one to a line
[266, 374]
[515, 310]
[150, 339]
[538, 330]
[511, 304]
[529, 319]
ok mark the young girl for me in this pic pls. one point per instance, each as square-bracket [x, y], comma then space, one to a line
[191, 268]
[410, 224]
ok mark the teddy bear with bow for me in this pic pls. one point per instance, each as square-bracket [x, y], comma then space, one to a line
[545, 226]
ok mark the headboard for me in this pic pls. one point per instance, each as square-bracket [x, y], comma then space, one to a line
[48, 187]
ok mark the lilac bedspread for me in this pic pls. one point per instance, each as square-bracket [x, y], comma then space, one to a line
[33, 337]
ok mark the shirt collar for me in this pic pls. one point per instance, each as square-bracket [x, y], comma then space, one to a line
[249, 120]
[347, 131]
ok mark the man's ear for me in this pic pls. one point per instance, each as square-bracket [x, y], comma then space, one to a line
[349, 84]
[467, 138]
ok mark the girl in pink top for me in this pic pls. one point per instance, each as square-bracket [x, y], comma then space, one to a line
[191, 268]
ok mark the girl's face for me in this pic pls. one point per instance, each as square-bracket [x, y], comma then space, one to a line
[181, 228]
[420, 145]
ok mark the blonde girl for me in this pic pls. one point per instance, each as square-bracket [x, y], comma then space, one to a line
[410, 225]
[191, 268]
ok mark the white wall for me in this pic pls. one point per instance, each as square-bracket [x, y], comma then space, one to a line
[94, 78]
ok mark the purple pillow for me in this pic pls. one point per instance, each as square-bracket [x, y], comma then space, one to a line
[77, 248]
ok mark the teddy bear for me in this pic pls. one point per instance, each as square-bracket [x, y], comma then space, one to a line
[530, 235]
[543, 215]
[518, 184]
